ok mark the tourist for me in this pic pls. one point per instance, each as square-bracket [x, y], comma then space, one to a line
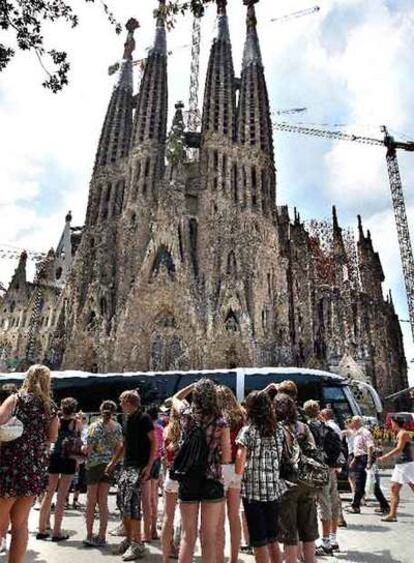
[328, 497]
[172, 435]
[24, 460]
[80, 486]
[151, 533]
[298, 514]
[202, 491]
[234, 416]
[5, 392]
[259, 444]
[362, 460]
[139, 450]
[349, 434]
[104, 442]
[404, 466]
[62, 468]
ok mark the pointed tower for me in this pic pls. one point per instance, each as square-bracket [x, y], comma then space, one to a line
[176, 153]
[18, 280]
[150, 123]
[254, 127]
[371, 272]
[337, 240]
[106, 191]
[218, 160]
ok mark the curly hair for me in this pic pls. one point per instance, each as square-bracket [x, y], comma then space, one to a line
[260, 412]
[173, 430]
[230, 408]
[285, 408]
[68, 406]
[204, 399]
[37, 382]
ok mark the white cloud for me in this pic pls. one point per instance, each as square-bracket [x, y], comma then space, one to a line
[349, 63]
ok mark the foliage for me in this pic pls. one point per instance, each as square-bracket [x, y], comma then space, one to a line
[26, 20]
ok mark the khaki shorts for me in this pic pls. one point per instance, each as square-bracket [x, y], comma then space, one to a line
[328, 499]
[298, 517]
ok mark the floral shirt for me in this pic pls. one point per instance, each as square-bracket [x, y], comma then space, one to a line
[102, 442]
[261, 480]
[362, 441]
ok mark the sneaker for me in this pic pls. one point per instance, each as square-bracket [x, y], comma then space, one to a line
[335, 546]
[324, 548]
[135, 551]
[122, 547]
[119, 530]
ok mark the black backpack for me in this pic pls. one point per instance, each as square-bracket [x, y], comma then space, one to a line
[191, 459]
[329, 441]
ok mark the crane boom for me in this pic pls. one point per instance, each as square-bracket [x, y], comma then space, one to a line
[295, 15]
[397, 194]
[194, 117]
[403, 232]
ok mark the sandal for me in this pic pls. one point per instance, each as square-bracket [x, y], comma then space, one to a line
[42, 535]
[63, 537]
[389, 519]
[353, 510]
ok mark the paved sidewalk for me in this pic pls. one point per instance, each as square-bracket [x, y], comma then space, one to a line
[365, 540]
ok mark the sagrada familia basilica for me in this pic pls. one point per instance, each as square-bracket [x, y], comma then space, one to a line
[186, 259]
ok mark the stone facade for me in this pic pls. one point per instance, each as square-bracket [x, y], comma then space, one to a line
[188, 262]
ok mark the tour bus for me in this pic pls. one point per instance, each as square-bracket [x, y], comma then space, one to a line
[346, 398]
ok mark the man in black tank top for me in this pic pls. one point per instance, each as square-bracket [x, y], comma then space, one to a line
[139, 452]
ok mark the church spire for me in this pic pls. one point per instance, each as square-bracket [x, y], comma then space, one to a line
[116, 131]
[254, 126]
[252, 53]
[150, 125]
[152, 107]
[219, 106]
[19, 276]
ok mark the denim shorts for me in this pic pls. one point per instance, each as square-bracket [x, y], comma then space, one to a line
[200, 490]
[262, 521]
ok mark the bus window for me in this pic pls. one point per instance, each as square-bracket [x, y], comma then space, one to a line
[365, 400]
[334, 396]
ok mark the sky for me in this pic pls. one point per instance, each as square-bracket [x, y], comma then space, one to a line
[349, 64]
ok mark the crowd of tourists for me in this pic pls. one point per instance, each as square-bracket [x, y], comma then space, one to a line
[260, 476]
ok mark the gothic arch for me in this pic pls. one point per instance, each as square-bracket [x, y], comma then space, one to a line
[231, 322]
[164, 259]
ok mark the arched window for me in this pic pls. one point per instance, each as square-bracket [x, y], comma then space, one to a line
[231, 322]
[163, 259]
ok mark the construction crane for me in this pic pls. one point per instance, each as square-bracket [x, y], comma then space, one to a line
[290, 111]
[295, 15]
[14, 252]
[397, 194]
[194, 114]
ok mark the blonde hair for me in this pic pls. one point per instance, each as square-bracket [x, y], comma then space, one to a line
[311, 408]
[37, 382]
[173, 430]
[231, 410]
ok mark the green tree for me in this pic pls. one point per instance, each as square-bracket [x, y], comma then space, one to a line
[24, 20]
